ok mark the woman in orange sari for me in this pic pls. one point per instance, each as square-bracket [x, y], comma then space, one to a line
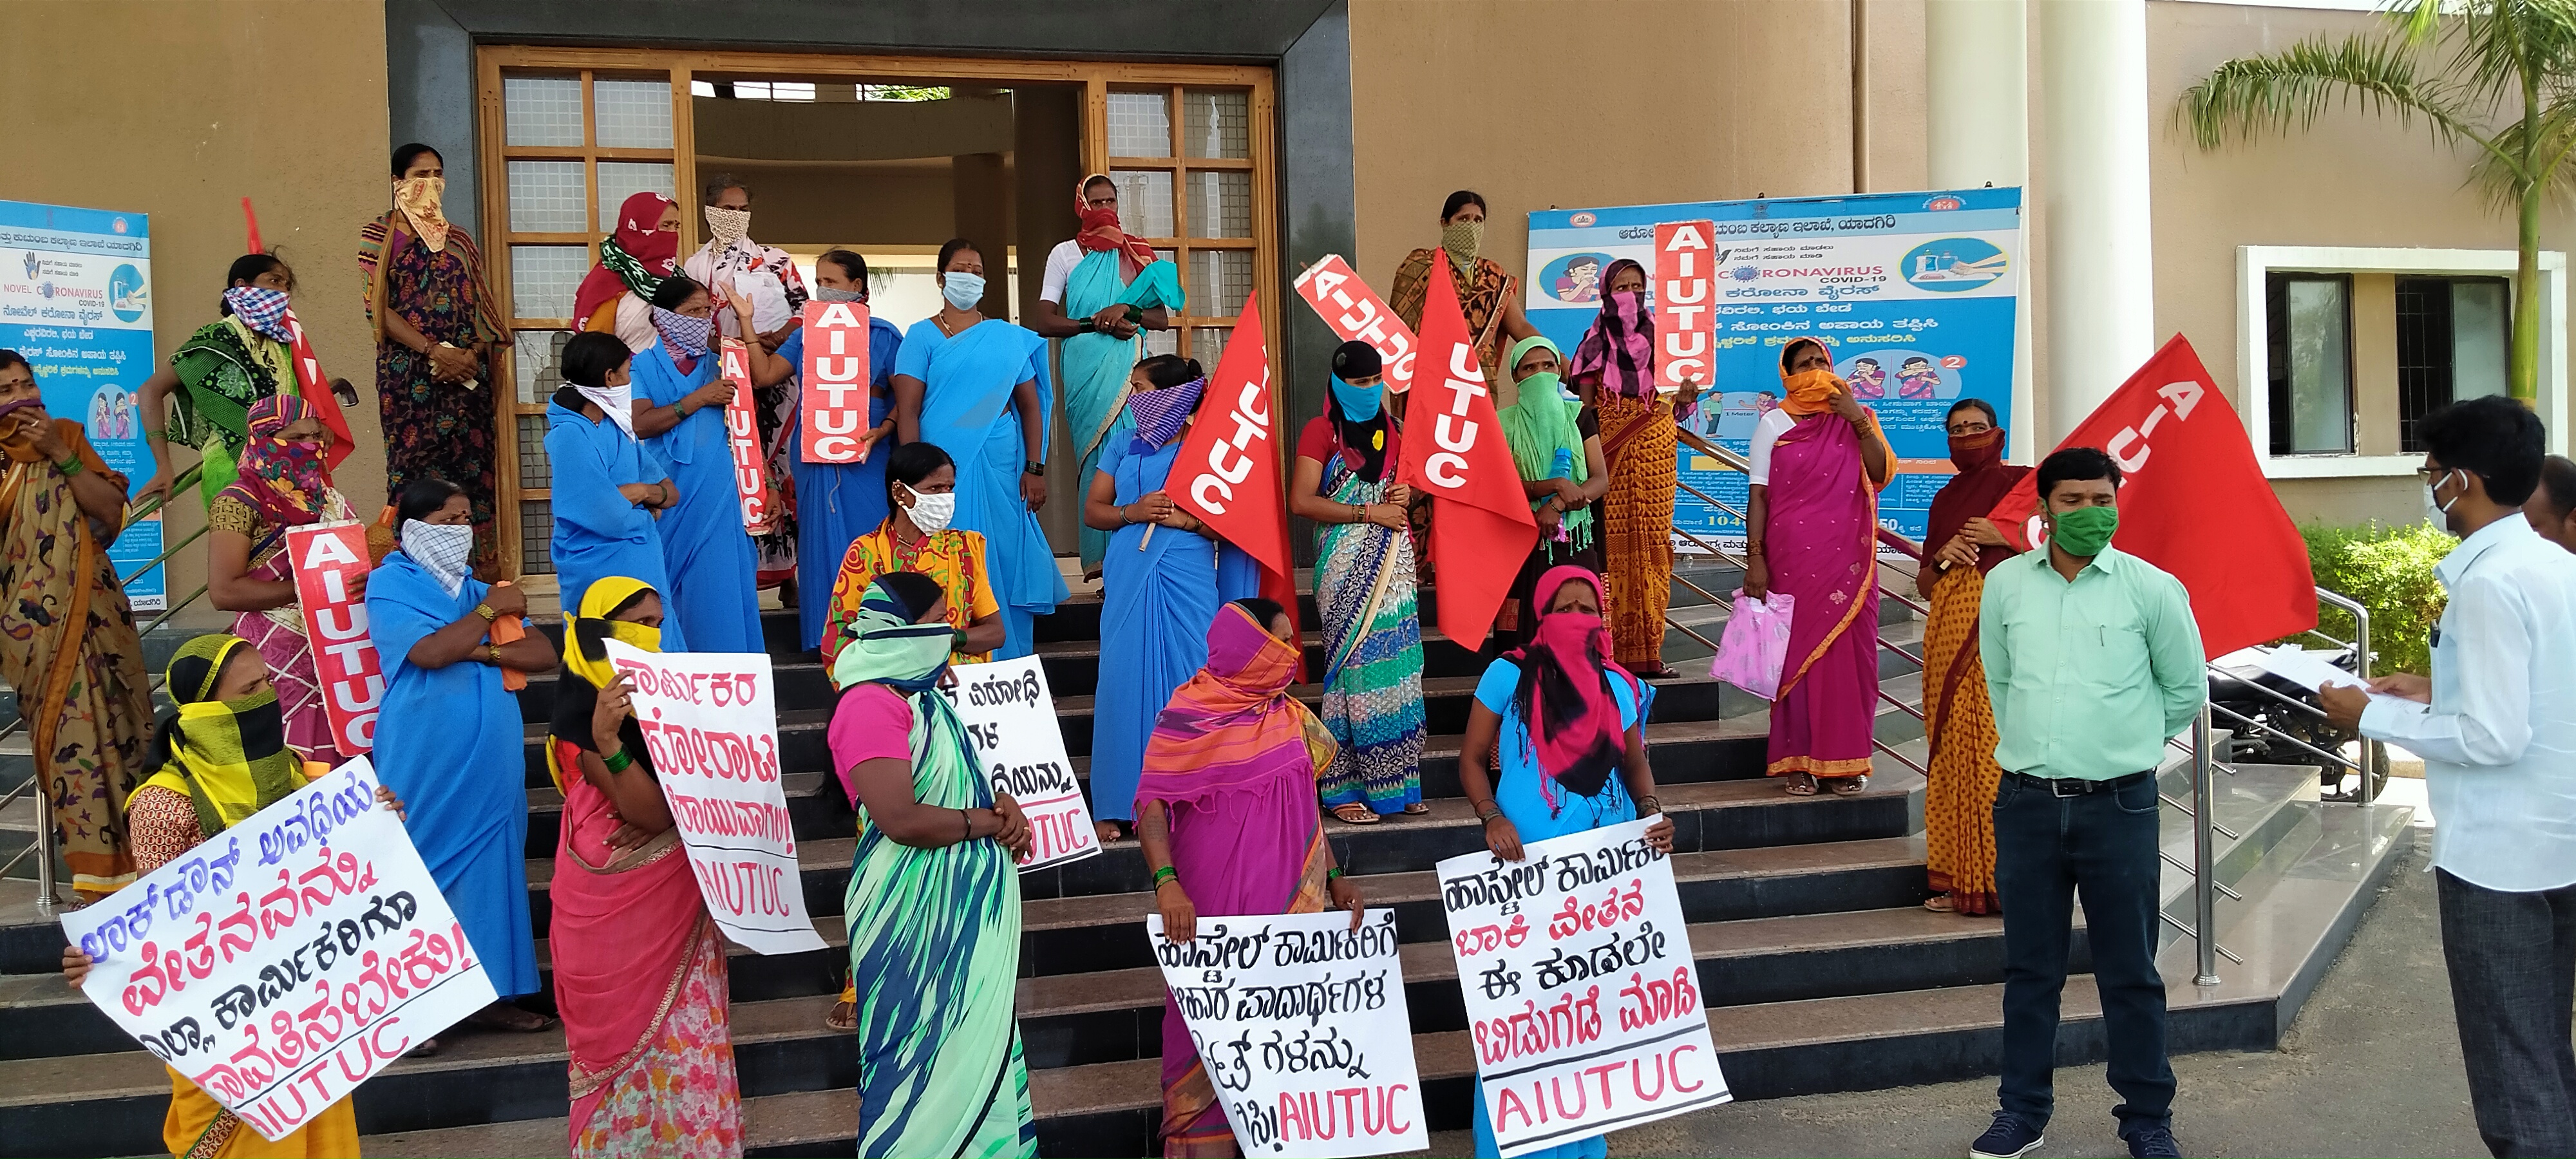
[1811, 531]
[67, 640]
[1959, 720]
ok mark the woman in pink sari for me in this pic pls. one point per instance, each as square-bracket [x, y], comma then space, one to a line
[283, 483]
[1226, 813]
[639, 968]
[1819, 462]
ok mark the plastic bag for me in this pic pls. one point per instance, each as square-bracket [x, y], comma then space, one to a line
[1755, 644]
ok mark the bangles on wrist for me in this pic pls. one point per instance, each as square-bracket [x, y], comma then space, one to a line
[1167, 873]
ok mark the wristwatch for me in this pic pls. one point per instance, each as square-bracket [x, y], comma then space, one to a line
[1036, 468]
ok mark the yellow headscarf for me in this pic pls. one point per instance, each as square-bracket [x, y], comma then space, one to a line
[228, 757]
[585, 657]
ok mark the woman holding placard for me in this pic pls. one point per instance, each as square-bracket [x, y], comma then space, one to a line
[933, 904]
[1158, 592]
[680, 401]
[639, 967]
[1226, 813]
[838, 502]
[282, 482]
[453, 731]
[1571, 724]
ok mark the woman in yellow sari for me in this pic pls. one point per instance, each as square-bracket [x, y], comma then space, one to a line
[67, 640]
[1959, 801]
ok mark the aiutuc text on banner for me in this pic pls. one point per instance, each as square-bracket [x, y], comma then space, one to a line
[835, 378]
[325, 558]
[1583, 1003]
[742, 438]
[1357, 314]
[286, 959]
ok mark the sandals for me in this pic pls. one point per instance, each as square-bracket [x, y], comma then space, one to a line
[844, 1016]
[504, 1017]
[1657, 671]
[1802, 785]
[1939, 903]
[1849, 786]
[1356, 814]
[1417, 809]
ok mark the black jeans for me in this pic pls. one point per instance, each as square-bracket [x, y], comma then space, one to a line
[2049, 850]
[2512, 958]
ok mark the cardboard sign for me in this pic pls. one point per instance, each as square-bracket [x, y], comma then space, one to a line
[287, 959]
[323, 557]
[1583, 1002]
[1356, 313]
[742, 436]
[1685, 301]
[1007, 709]
[1301, 1022]
[710, 723]
[835, 378]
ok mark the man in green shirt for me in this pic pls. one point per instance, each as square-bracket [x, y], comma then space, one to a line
[2093, 660]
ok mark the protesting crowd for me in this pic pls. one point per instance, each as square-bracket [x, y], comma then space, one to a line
[2044, 737]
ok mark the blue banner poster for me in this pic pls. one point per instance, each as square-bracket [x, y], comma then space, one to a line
[76, 299]
[1915, 293]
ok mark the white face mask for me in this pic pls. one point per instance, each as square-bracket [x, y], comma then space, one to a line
[2437, 512]
[931, 513]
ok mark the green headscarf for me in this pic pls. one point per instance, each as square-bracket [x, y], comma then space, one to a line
[884, 646]
[1541, 423]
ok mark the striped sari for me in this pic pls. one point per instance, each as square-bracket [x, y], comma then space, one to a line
[1373, 701]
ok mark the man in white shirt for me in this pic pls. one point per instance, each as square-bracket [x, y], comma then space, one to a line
[2498, 736]
[2552, 506]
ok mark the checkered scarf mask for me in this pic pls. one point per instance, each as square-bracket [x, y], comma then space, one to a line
[686, 337]
[444, 550]
[261, 309]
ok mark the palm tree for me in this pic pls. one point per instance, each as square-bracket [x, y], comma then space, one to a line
[2505, 57]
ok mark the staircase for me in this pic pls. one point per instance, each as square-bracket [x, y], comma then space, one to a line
[1822, 970]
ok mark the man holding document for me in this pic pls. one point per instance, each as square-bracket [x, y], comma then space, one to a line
[2496, 726]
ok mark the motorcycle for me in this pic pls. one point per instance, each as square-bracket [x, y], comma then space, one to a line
[2239, 684]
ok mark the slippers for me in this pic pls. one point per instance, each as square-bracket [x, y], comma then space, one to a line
[1802, 785]
[1356, 814]
[1659, 671]
[1850, 786]
[844, 1016]
[1938, 903]
[1417, 809]
[505, 1017]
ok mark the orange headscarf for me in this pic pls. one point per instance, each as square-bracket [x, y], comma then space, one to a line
[1813, 393]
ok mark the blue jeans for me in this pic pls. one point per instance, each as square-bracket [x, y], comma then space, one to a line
[2049, 850]
[2512, 961]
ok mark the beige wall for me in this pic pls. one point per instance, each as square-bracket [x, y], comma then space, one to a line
[282, 101]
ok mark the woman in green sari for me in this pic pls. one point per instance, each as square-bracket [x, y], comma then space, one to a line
[1556, 445]
[1101, 287]
[934, 896]
[228, 364]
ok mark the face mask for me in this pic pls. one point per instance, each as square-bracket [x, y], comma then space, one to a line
[2085, 531]
[687, 337]
[1547, 383]
[262, 309]
[931, 513]
[441, 549]
[962, 290]
[617, 402]
[727, 226]
[418, 198]
[828, 294]
[2437, 512]
[1359, 403]
[1462, 239]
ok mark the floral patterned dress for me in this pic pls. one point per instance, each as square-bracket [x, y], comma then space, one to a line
[438, 429]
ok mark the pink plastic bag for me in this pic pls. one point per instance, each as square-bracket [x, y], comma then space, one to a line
[1756, 642]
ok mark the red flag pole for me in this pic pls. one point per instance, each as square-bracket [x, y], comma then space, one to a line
[250, 221]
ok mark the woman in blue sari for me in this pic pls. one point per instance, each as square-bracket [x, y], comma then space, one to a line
[839, 502]
[978, 387]
[1159, 590]
[1100, 288]
[608, 491]
[448, 735]
[680, 415]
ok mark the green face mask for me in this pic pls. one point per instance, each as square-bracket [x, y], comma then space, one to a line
[2085, 531]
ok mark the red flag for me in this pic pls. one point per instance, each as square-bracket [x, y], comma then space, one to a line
[1228, 469]
[2192, 501]
[309, 383]
[1481, 530]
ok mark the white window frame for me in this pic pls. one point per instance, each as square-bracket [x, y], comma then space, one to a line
[2253, 341]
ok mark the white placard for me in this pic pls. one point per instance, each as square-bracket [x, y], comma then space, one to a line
[1583, 1002]
[287, 959]
[1007, 709]
[710, 722]
[1301, 1022]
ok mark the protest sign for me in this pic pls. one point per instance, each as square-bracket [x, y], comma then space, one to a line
[710, 723]
[324, 556]
[286, 959]
[1582, 999]
[742, 437]
[1684, 297]
[1007, 709]
[1356, 313]
[835, 377]
[1300, 1021]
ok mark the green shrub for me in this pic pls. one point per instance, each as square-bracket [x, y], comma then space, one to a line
[2389, 570]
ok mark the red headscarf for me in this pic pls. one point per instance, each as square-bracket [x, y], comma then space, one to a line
[1982, 480]
[638, 251]
[1566, 669]
[1100, 229]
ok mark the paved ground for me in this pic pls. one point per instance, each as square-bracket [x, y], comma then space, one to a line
[2372, 1067]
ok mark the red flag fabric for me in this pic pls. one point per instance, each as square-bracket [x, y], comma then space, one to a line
[2193, 501]
[309, 383]
[1481, 530]
[1228, 470]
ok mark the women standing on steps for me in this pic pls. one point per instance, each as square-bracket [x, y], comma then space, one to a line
[639, 967]
[1811, 530]
[1101, 287]
[450, 734]
[978, 388]
[1364, 585]
[1959, 797]
[933, 906]
[282, 483]
[680, 401]
[1226, 813]
[1571, 725]
[1159, 589]
[1556, 446]
[609, 494]
[1614, 369]
[215, 376]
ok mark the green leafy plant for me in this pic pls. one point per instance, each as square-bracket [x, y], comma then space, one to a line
[2389, 570]
[2505, 59]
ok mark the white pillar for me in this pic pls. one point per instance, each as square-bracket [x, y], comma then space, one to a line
[1978, 109]
[2100, 292]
